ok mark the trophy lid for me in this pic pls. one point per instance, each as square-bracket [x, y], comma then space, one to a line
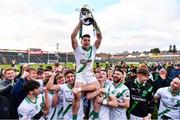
[84, 7]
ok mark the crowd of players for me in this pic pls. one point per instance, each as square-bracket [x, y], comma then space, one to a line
[115, 92]
[125, 92]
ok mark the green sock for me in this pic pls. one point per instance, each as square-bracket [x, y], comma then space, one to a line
[96, 114]
[74, 117]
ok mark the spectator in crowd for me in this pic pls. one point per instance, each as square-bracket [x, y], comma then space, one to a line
[110, 74]
[8, 82]
[132, 75]
[17, 91]
[162, 81]
[175, 72]
[50, 68]
[40, 72]
[169, 68]
[141, 96]
[57, 67]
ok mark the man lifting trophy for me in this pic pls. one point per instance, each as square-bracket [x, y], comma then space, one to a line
[86, 17]
[84, 55]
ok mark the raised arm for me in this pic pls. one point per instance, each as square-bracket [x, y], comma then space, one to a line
[50, 84]
[98, 35]
[55, 99]
[74, 41]
[46, 102]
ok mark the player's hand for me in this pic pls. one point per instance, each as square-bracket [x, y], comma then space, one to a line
[163, 76]
[25, 67]
[76, 93]
[102, 90]
[148, 117]
[75, 90]
[25, 74]
[80, 23]
[99, 100]
[45, 90]
[53, 74]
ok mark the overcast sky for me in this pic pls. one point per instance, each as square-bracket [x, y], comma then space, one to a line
[126, 25]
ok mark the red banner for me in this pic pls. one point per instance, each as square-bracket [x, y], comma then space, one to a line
[37, 52]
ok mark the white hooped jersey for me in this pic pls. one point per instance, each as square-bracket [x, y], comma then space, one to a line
[59, 108]
[169, 104]
[52, 111]
[66, 101]
[27, 109]
[121, 92]
[104, 109]
[82, 57]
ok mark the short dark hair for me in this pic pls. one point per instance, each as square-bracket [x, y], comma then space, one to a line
[56, 64]
[67, 72]
[49, 68]
[30, 86]
[119, 69]
[40, 71]
[86, 35]
[31, 69]
[143, 72]
[134, 70]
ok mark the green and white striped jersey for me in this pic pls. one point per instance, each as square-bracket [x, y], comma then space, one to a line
[28, 109]
[121, 92]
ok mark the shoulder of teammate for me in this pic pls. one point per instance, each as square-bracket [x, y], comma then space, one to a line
[124, 92]
[108, 83]
[125, 87]
[161, 91]
[22, 111]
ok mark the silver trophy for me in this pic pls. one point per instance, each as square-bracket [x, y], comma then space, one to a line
[85, 16]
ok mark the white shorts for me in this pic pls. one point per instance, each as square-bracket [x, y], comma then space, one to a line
[86, 79]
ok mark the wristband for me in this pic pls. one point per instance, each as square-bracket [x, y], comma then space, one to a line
[79, 89]
[104, 102]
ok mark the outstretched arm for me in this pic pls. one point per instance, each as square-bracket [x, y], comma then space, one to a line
[112, 102]
[50, 84]
[98, 35]
[74, 41]
[94, 93]
[46, 102]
